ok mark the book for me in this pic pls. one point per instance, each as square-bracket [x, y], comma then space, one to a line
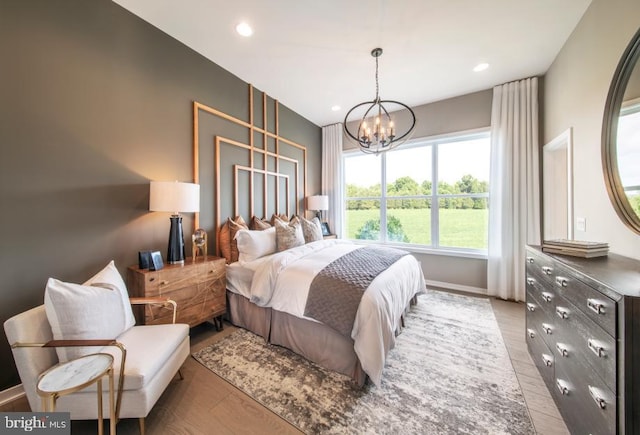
[577, 244]
[577, 252]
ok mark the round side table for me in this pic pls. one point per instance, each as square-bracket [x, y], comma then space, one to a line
[75, 375]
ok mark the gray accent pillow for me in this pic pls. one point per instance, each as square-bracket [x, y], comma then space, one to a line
[311, 229]
[288, 235]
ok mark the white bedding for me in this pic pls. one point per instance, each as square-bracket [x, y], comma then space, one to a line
[281, 281]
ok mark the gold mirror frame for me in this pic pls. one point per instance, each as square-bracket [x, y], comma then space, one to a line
[614, 185]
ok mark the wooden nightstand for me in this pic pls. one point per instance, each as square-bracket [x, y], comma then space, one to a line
[199, 289]
[330, 236]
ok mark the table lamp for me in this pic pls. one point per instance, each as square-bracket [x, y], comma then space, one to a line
[318, 203]
[175, 197]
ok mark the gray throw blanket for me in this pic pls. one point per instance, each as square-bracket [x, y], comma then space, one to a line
[336, 290]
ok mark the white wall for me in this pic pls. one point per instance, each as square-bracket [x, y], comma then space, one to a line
[575, 93]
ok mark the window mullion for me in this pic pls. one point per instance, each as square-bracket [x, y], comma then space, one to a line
[383, 198]
[435, 213]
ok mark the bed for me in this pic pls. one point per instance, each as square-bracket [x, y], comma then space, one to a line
[271, 295]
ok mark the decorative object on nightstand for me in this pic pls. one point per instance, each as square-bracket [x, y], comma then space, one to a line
[199, 289]
[199, 244]
[175, 197]
[325, 229]
[318, 203]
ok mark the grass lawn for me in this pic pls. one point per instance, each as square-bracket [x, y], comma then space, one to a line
[464, 228]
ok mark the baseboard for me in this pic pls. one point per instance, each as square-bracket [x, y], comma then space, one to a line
[11, 394]
[456, 287]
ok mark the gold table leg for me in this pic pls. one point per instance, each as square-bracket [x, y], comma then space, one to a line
[100, 419]
[112, 410]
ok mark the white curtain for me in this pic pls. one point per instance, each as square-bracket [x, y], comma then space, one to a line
[514, 203]
[332, 175]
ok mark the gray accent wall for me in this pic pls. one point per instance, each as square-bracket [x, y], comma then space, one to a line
[576, 88]
[466, 112]
[94, 103]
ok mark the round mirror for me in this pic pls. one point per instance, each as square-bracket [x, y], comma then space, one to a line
[621, 137]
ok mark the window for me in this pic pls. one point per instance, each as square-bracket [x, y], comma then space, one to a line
[431, 193]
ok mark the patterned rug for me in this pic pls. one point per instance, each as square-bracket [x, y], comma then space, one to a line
[448, 374]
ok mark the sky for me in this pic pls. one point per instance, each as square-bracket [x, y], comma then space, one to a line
[456, 159]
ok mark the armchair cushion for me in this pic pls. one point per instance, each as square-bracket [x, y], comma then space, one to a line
[149, 348]
[96, 310]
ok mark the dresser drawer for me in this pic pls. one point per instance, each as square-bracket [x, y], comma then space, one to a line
[587, 405]
[544, 295]
[540, 266]
[540, 317]
[542, 356]
[581, 338]
[594, 304]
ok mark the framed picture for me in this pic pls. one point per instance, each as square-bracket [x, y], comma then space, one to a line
[155, 263]
[325, 229]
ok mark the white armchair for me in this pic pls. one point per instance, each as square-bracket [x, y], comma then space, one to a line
[146, 358]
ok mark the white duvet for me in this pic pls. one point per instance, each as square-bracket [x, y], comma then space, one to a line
[282, 283]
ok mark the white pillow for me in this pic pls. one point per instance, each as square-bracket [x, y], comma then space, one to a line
[98, 309]
[253, 244]
[110, 276]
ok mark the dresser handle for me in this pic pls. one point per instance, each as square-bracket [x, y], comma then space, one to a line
[530, 260]
[548, 297]
[596, 348]
[546, 359]
[531, 307]
[547, 270]
[152, 279]
[563, 390]
[563, 350]
[596, 398]
[596, 306]
[163, 282]
[562, 282]
[531, 281]
[547, 329]
[531, 333]
[562, 313]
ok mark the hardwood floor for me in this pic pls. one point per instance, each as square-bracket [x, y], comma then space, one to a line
[203, 403]
[544, 413]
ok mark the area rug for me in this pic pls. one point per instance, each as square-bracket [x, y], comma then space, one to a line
[449, 373]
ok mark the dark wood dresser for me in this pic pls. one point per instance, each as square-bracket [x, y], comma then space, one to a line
[583, 333]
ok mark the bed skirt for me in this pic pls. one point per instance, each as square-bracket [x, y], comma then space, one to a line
[314, 341]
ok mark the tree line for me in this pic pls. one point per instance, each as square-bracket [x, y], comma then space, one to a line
[407, 186]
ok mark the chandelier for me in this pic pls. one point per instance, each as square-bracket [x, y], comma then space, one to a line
[377, 131]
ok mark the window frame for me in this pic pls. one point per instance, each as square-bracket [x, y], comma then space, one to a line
[434, 142]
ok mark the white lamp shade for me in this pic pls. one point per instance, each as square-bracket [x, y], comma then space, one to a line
[318, 202]
[174, 196]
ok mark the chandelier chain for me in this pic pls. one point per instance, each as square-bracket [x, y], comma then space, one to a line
[377, 85]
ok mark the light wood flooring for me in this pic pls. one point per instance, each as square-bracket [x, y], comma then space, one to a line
[203, 403]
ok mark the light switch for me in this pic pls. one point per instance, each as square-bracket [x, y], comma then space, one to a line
[581, 224]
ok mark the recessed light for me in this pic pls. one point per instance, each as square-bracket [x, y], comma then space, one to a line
[335, 108]
[480, 67]
[244, 29]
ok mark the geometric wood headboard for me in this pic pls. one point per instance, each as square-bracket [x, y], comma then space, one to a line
[257, 172]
